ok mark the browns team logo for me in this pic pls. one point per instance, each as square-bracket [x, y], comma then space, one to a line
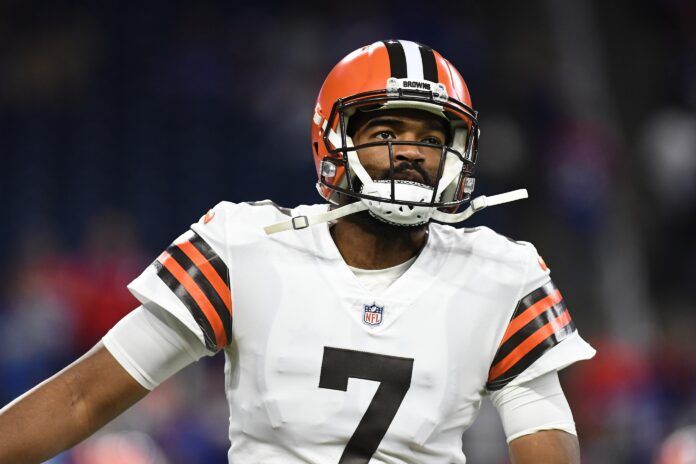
[372, 314]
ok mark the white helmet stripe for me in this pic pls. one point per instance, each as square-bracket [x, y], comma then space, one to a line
[414, 61]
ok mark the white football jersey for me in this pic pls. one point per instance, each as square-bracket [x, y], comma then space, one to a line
[319, 370]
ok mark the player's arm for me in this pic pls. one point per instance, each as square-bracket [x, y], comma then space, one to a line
[66, 408]
[547, 447]
[539, 340]
[189, 315]
[143, 350]
[538, 422]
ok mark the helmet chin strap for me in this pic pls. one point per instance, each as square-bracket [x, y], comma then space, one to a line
[302, 222]
[477, 204]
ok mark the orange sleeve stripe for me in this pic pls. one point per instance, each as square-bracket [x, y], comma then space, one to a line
[211, 274]
[530, 313]
[197, 294]
[528, 345]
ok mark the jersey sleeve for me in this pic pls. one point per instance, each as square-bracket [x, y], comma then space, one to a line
[540, 336]
[190, 280]
[152, 345]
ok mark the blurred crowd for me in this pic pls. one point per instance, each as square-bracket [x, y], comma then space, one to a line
[122, 123]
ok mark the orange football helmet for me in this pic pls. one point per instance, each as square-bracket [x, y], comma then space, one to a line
[394, 74]
[385, 75]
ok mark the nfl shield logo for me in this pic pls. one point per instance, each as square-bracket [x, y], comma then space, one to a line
[372, 314]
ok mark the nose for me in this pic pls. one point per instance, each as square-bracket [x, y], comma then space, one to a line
[410, 153]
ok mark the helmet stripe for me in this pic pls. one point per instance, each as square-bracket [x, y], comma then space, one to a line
[397, 58]
[429, 65]
[414, 62]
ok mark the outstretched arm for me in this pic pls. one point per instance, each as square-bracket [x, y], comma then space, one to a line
[66, 408]
[547, 447]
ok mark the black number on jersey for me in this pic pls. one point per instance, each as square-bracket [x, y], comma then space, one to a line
[393, 374]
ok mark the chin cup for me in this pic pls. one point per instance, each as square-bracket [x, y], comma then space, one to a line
[396, 214]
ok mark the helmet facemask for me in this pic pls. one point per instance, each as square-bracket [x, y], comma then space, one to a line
[396, 201]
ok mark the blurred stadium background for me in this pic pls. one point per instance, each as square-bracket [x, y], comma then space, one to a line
[122, 122]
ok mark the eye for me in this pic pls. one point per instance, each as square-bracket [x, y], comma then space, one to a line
[433, 140]
[385, 135]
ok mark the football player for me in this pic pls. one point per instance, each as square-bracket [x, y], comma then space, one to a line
[360, 330]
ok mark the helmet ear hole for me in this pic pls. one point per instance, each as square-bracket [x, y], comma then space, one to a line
[315, 145]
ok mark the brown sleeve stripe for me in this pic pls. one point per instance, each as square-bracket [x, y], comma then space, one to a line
[522, 333]
[197, 282]
[215, 261]
[210, 273]
[530, 342]
[531, 312]
[540, 322]
[219, 298]
[178, 280]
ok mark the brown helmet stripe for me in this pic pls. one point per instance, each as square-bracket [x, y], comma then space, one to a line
[429, 65]
[397, 58]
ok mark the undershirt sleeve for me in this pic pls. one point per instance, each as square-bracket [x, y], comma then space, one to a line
[152, 345]
[533, 406]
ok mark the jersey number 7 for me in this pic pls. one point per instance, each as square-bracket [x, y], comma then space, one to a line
[394, 375]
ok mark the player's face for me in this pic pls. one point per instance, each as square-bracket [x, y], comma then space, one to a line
[411, 162]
